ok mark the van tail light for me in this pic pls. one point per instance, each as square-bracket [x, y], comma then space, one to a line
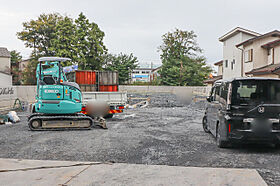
[229, 128]
[121, 107]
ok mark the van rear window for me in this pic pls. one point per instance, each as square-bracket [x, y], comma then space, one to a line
[254, 92]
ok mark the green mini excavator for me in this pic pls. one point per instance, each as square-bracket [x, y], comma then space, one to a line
[58, 102]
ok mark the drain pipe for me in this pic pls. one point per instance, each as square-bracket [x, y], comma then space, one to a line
[242, 62]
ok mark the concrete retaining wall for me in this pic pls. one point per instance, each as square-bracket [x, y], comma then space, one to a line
[5, 79]
[8, 95]
[28, 93]
[165, 89]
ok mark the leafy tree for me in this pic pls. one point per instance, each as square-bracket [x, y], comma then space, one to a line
[181, 61]
[178, 44]
[184, 72]
[122, 63]
[15, 59]
[65, 42]
[15, 56]
[29, 73]
[38, 34]
[56, 35]
[90, 46]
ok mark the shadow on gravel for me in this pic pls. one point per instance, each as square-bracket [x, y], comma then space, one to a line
[255, 148]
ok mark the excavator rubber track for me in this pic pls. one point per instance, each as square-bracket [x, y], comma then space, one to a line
[44, 122]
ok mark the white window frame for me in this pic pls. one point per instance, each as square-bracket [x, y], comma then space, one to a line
[248, 56]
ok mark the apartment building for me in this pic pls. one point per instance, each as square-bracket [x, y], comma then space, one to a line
[141, 75]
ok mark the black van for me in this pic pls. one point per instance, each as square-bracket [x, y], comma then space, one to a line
[244, 110]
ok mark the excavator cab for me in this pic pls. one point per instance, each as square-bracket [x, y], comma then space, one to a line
[54, 94]
[58, 102]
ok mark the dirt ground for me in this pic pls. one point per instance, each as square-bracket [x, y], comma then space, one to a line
[166, 132]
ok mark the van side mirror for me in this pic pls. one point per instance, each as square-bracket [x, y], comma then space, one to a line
[208, 98]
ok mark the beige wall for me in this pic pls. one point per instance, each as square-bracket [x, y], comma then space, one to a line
[230, 53]
[5, 79]
[277, 54]
[260, 55]
[5, 64]
[220, 70]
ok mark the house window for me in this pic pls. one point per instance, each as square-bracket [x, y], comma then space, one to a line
[248, 55]
[232, 63]
[226, 63]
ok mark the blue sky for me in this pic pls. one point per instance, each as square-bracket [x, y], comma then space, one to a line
[136, 26]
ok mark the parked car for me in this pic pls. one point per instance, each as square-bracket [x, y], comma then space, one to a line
[244, 110]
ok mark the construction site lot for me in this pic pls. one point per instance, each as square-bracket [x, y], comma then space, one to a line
[164, 131]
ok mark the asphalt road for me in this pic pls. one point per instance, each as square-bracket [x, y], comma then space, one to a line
[159, 134]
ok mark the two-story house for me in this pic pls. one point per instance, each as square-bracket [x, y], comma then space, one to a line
[261, 55]
[212, 79]
[232, 56]
[5, 67]
[249, 54]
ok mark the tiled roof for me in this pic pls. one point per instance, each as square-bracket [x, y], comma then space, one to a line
[271, 44]
[4, 52]
[273, 33]
[237, 30]
[265, 70]
[212, 80]
[218, 63]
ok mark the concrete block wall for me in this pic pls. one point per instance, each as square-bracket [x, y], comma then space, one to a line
[8, 95]
[165, 89]
[28, 93]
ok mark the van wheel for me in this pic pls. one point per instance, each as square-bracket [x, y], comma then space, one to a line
[220, 143]
[205, 125]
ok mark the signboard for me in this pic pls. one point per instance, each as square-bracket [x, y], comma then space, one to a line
[70, 68]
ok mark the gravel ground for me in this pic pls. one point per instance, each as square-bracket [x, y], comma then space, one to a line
[169, 134]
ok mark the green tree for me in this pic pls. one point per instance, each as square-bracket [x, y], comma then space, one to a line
[184, 72]
[56, 35]
[182, 63]
[91, 48]
[38, 34]
[122, 63]
[15, 56]
[65, 42]
[178, 44]
[15, 59]
[29, 73]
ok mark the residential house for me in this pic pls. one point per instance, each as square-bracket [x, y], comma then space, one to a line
[23, 64]
[5, 67]
[232, 56]
[212, 79]
[261, 55]
[155, 74]
[5, 60]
